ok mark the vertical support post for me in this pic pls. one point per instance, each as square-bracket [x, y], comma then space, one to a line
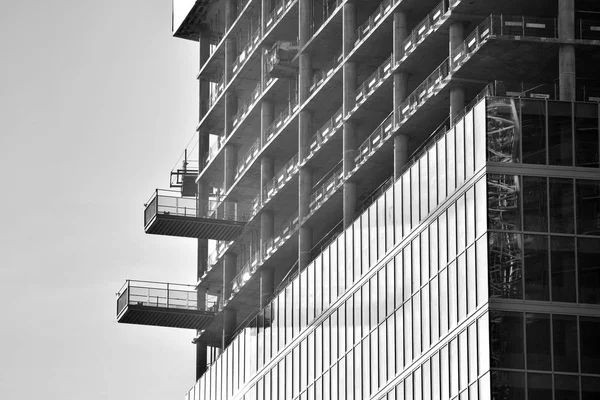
[304, 133]
[349, 101]
[457, 94]
[566, 52]
[266, 286]
[400, 92]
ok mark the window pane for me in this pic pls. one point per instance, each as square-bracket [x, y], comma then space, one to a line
[424, 187]
[533, 131]
[441, 169]
[502, 127]
[505, 265]
[507, 339]
[461, 268]
[432, 178]
[564, 334]
[586, 135]
[469, 144]
[566, 387]
[508, 385]
[538, 341]
[560, 133]
[588, 207]
[539, 386]
[588, 254]
[503, 211]
[562, 266]
[450, 161]
[535, 205]
[415, 193]
[460, 153]
[536, 265]
[590, 345]
[562, 206]
[590, 388]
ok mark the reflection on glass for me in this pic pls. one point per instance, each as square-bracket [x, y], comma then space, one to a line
[503, 202]
[562, 267]
[562, 206]
[533, 131]
[566, 387]
[503, 129]
[588, 254]
[590, 388]
[589, 344]
[505, 265]
[535, 204]
[564, 334]
[539, 386]
[508, 385]
[536, 267]
[538, 341]
[560, 133]
[506, 329]
[586, 135]
[588, 207]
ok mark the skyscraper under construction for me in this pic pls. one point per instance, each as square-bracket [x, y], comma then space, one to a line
[394, 199]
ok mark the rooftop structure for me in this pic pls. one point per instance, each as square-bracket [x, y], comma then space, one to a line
[394, 199]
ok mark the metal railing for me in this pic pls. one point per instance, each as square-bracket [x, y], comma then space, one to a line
[277, 12]
[281, 178]
[375, 140]
[170, 202]
[524, 26]
[589, 30]
[251, 45]
[283, 117]
[248, 158]
[325, 132]
[325, 190]
[374, 81]
[321, 75]
[329, 7]
[434, 19]
[375, 18]
[162, 295]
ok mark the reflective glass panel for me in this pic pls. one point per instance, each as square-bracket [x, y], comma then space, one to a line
[590, 345]
[560, 133]
[562, 267]
[538, 341]
[586, 135]
[533, 131]
[588, 254]
[562, 206]
[507, 339]
[564, 336]
[536, 267]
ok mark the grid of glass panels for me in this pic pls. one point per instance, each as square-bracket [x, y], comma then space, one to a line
[391, 218]
[544, 238]
[543, 132]
[460, 369]
[420, 296]
[534, 355]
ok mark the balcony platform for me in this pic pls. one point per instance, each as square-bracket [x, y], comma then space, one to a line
[140, 314]
[168, 213]
[162, 304]
[194, 227]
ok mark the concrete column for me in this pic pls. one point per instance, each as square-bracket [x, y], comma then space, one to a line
[400, 154]
[304, 133]
[229, 272]
[230, 13]
[304, 21]
[457, 94]
[400, 91]
[202, 207]
[267, 225]
[266, 118]
[203, 83]
[267, 286]
[349, 101]
[201, 359]
[229, 324]
[230, 156]
[566, 52]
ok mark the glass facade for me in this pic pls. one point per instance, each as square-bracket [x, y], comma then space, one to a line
[409, 301]
[396, 286]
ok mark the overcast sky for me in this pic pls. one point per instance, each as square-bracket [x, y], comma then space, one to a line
[97, 102]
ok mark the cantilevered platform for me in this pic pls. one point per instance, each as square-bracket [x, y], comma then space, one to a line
[162, 304]
[169, 214]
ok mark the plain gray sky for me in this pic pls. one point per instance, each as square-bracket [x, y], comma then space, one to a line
[97, 102]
